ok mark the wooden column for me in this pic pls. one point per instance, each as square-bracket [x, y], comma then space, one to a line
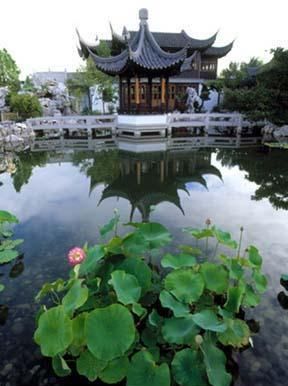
[167, 94]
[137, 90]
[121, 94]
[162, 169]
[199, 65]
[128, 95]
[138, 170]
[163, 89]
[150, 95]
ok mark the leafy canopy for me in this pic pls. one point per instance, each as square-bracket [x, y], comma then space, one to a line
[9, 71]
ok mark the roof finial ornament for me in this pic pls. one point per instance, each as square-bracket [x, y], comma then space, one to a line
[143, 15]
[125, 34]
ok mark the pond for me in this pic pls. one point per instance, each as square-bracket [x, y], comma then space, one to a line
[63, 197]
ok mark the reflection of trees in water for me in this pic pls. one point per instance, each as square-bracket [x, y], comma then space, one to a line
[16, 270]
[101, 167]
[25, 163]
[145, 180]
[268, 170]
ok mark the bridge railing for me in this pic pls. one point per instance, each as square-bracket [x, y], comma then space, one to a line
[72, 122]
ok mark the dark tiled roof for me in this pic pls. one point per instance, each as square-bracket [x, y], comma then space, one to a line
[178, 40]
[218, 52]
[112, 65]
[143, 50]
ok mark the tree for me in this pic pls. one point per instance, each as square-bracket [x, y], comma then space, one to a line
[28, 85]
[26, 105]
[266, 96]
[88, 76]
[237, 74]
[9, 72]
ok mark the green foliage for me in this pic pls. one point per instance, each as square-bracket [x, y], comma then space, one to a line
[26, 105]
[7, 245]
[88, 76]
[262, 96]
[9, 72]
[28, 85]
[117, 317]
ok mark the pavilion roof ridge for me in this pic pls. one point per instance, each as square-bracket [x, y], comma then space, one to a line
[219, 51]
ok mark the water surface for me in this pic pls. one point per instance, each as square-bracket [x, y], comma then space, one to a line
[61, 199]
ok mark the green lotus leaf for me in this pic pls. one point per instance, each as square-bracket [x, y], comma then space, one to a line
[75, 297]
[254, 257]
[110, 226]
[57, 286]
[135, 244]
[1, 287]
[168, 301]
[260, 281]
[155, 319]
[110, 331]
[143, 371]
[78, 328]
[155, 352]
[235, 270]
[60, 366]
[8, 255]
[186, 285]
[89, 366]
[178, 261]
[155, 234]
[179, 330]
[149, 336]
[140, 270]
[7, 217]
[236, 335]
[208, 320]
[126, 287]
[224, 238]
[115, 370]
[199, 233]
[54, 331]
[215, 362]
[190, 250]
[216, 277]
[251, 298]
[94, 254]
[114, 246]
[138, 310]
[10, 244]
[188, 368]
[234, 298]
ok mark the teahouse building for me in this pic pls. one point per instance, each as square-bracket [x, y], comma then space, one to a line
[155, 68]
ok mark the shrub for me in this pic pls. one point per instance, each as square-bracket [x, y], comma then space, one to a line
[118, 316]
[26, 105]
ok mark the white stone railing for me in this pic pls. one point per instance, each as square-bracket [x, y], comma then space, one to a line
[207, 120]
[72, 122]
[216, 123]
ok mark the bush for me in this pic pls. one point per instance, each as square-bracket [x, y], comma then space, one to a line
[26, 105]
[118, 316]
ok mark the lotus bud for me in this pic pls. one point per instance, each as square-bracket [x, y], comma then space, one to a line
[208, 222]
[198, 340]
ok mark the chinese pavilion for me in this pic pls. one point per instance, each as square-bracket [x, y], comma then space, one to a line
[155, 68]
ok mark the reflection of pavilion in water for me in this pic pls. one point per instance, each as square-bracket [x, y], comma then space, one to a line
[151, 179]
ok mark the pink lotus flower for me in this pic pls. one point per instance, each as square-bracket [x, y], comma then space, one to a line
[76, 256]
